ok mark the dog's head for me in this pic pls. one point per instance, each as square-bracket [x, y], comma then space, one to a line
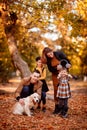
[35, 97]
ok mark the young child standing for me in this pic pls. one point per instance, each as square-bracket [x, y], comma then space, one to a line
[40, 67]
[63, 92]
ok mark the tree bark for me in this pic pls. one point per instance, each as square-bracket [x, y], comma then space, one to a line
[9, 27]
[19, 63]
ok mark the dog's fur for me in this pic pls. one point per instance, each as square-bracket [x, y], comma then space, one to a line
[29, 102]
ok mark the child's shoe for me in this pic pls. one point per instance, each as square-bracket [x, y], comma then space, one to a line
[64, 112]
[64, 115]
[44, 109]
[57, 109]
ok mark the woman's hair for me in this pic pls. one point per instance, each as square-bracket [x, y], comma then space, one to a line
[46, 50]
[44, 54]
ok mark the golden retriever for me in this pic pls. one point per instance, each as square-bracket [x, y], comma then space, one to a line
[29, 102]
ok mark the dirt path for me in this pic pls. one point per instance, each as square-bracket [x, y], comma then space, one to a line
[77, 114]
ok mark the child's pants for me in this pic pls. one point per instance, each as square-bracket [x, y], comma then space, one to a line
[63, 105]
[43, 99]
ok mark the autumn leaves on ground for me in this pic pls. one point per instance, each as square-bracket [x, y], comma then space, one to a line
[77, 114]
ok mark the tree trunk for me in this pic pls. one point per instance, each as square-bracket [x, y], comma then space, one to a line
[9, 27]
[19, 63]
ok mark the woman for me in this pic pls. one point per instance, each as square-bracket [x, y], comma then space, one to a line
[52, 59]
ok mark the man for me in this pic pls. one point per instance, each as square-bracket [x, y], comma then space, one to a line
[52, 59]
[28, 86]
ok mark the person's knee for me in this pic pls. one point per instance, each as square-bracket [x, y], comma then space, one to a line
[26, 89]
[25, 92]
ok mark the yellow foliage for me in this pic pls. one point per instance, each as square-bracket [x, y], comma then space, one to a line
[82, 8]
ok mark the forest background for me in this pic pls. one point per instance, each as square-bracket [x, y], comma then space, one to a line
[27, 26]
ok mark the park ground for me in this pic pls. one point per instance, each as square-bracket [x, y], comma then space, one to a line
[77, 114]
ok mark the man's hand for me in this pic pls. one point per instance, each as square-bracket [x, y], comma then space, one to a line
[21, 101]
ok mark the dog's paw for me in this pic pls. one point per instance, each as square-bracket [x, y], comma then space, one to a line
[32, 113]
[29, 115]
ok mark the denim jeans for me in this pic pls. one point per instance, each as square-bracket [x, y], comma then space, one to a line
[25, 92]
[43, 97]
